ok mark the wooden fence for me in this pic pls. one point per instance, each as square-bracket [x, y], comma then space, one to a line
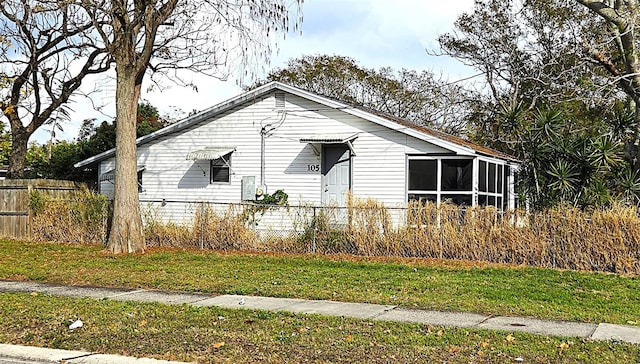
[15, 214]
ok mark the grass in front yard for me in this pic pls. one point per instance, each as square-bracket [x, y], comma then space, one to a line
[441, 285]
[213, 335]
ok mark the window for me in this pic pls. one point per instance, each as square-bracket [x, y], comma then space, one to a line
[423, 175]
[221, 169]
[492, 184]
[440, 179]
[447, 178]
[110, 175]
[140, 190]
[505, 187]
[457, 174]
[482, 176]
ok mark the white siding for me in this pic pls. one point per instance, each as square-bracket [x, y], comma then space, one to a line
[379, 167]
[106, 187]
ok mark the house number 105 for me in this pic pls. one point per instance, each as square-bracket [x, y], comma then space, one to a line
[313, 167]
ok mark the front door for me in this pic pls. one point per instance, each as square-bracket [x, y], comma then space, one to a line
[336, 174]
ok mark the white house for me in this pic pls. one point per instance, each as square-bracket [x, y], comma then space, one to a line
[315, 149]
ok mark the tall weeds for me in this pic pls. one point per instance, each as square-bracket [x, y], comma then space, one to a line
[80, 218]
[562, 237]
[209, 230]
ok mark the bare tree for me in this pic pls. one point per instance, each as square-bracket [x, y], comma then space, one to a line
[419, 97]
[527, 51]
[160, 36]
[45, 53]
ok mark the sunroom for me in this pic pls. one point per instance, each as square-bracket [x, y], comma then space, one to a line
[464, 181]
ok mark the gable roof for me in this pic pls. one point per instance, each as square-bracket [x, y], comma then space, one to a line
[458, 145]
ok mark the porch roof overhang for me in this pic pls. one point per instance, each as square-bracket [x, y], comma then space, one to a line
[331, 139]
[111, 174]
[210, 153]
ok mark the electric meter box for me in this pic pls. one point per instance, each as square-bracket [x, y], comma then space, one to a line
[248, 188]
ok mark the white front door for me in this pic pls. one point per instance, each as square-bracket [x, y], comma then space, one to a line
[336, 174]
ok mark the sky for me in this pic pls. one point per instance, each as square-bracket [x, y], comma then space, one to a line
[375, 33]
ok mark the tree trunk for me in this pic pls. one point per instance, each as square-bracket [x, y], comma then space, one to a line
[18, 156]
[126, 234]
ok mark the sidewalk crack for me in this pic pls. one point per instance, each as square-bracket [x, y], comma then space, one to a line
[63, 361]
[485, 320]
[593, 331]
[386, 310]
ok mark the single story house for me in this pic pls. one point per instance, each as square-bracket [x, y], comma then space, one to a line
[315, 149]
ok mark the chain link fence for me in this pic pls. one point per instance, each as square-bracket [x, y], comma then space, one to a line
[569, 238]
[301, 228]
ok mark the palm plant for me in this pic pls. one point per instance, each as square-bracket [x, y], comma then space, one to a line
[564, 179]
[628, 186]
[606, 154]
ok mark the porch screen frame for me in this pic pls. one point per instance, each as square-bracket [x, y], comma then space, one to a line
[439, 194]
[493, 183]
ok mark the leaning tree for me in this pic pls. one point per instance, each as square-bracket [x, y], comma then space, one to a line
[163, 37]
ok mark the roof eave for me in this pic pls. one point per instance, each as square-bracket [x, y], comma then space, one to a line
[458, 149]
[188, 121]
[262, 90]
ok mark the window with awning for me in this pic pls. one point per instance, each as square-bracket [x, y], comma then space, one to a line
[210, 153]
[219, 162]
[221, 169]
[110, 175]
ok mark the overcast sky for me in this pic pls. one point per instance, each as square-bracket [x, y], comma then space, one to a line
[376, 33]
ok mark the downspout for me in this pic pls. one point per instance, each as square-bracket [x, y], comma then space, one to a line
[263, 133]
[263, 136]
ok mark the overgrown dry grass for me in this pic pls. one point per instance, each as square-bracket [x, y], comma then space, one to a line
[563, 237]
[81, 219]
[208, 230]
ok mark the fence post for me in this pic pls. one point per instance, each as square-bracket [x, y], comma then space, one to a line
[314, 222]
[202, 215]
[441, 233]
[30, 212]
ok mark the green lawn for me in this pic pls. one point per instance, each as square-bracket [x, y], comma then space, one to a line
[219, 335]
[215, 335]
[482, 288]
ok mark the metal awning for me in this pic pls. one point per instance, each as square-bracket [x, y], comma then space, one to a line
[330, 139]
[210, 153]
[111, 174]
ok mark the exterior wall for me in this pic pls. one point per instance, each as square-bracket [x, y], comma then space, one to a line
[378, 168]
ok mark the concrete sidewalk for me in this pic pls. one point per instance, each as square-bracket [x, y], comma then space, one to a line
[602, 331]
[33, 355]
